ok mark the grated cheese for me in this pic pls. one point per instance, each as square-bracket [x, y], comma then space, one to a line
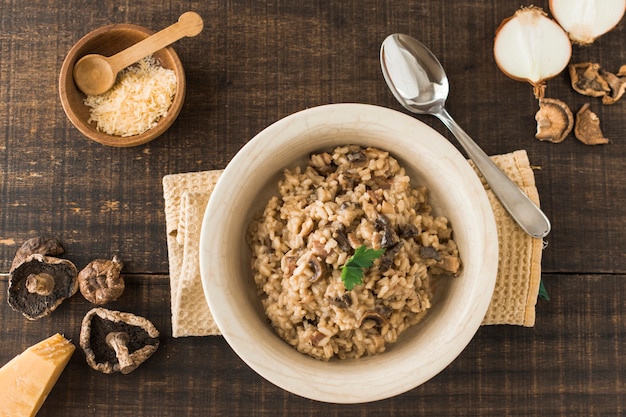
[141, 96]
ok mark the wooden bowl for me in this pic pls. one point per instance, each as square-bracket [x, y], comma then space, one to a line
[244, 188]
[107, 41]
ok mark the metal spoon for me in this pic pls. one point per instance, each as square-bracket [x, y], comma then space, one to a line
[419, 83]
[95, 74]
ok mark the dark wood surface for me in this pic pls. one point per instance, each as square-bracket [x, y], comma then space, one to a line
[254, 63]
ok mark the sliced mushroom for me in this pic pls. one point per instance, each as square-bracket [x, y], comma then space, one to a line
[100, 281]
[114, 341]
[587, 80]
[588, 127]
[386, 261]
[41, 245]
[373, 315]
[388, 238]
[342, 240]
[348, 181]
[39, 284]
[375, 197]
[409, 231]
[344, 301]
[384, 310]
[554, 120]
[428, 252]
[357, 157]
[318, 267]
[382, 182]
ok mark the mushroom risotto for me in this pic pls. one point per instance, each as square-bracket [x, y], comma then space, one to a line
[345, 201]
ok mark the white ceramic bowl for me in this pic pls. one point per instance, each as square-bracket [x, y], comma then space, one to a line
[423, 350]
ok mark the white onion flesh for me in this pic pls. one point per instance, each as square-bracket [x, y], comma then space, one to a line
[529, 46]
[586, 20]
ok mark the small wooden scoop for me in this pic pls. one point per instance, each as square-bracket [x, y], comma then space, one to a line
[95, 74]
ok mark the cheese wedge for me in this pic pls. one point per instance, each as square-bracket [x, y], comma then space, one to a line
[26, 380]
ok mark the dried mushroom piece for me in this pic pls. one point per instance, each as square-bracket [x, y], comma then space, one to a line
[590, 80]
[100, 281]
[588, 127]
[39, 284]
[554, 120]
[39, 244]
[618, 87]
[114, 341]
[587, 80]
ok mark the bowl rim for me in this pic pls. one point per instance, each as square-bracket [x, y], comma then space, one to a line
[112, 140]
[306, 378]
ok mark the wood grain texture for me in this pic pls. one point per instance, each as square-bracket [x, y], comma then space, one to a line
[570, 364]
[254, 63]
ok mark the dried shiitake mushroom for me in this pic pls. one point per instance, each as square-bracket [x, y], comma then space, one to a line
[618, 87]
[39, 244]
[100, 281]
[39, 284]
[586, 79]
[590, 80]
[588, 127]
[114, 341]
[554, 120]
[531, 47]
[586, 20]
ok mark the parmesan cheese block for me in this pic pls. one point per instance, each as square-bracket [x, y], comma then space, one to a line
[140, 97]
[27, 379]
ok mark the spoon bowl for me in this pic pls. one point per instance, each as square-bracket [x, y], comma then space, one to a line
[418, 81]
[94, 75]
[414, 75]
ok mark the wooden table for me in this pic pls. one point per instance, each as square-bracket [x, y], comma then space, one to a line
[254, 63]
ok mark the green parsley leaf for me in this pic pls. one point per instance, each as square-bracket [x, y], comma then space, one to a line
[352, 270]
[543, 293]
[351, 276]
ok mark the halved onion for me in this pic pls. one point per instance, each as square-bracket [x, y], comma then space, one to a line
[586, 20]
[529, 46]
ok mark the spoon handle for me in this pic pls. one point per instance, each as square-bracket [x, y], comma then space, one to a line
[515, 201]
[188, 24]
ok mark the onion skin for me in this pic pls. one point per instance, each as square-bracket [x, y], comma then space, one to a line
[586, 20]
[531, 47]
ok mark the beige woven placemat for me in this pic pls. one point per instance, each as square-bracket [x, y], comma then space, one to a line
[186, 196]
